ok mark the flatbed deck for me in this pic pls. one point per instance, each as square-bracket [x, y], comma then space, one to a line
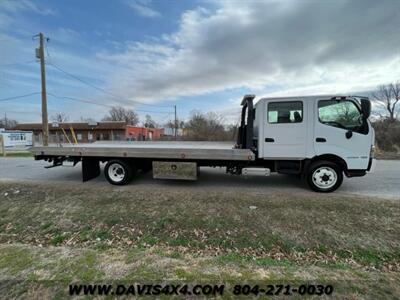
[153, 149]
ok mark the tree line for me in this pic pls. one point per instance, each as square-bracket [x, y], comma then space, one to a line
[387, 125]
[200, 126]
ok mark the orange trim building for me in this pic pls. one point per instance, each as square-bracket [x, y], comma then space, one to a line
[134, 133]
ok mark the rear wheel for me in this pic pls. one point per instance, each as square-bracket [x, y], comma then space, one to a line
[324, 176]
[119, 172]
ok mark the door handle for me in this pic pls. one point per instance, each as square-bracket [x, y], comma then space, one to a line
[269, 140]
[320, 140]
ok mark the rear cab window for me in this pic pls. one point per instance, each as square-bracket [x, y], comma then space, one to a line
[285, 112]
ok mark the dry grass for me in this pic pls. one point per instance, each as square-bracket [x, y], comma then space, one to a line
[35, 271]
[153, 233]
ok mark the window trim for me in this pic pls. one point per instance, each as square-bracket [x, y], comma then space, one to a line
[302, 111]
[359, 129]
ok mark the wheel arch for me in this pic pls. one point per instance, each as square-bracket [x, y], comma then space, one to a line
[329, 157]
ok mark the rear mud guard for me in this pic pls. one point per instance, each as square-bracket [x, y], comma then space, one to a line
[90, 168]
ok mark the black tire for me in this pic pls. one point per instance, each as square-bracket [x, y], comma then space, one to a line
[119, 172]
[324, 176]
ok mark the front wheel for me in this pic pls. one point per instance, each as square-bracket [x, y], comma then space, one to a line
[324, 176]
[118, 172]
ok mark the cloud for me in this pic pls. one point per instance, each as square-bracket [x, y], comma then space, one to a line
[143, 8]
[25, 5]
[306, 47]
[64, 35]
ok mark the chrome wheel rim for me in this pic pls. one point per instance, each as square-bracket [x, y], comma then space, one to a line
[116, 172]
[324, 177]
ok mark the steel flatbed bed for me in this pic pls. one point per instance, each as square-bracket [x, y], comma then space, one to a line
[157, 150]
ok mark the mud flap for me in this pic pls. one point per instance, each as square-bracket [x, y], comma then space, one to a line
[90, 168]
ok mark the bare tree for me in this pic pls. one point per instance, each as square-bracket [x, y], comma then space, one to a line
[207, 127]
[59, 117]
[173, 124]
[149, 122]
[118, 113]
[8, 123]
[388, 97]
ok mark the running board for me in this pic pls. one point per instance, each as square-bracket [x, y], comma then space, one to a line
[256, 171]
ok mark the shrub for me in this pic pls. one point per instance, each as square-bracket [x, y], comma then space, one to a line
[387, 134]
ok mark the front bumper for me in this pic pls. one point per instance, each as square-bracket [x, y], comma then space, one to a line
[371, 165]
[363, 172]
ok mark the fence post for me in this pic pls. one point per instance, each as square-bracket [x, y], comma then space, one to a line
[2, 147]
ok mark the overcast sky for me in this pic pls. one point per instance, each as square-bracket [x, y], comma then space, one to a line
[200, 55]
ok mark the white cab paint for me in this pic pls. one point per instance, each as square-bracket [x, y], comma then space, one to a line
[298, 140]
[289, 139]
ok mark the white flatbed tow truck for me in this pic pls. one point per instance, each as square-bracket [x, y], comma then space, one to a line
[319, 138]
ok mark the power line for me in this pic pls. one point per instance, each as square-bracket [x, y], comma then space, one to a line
[18, 63]
[151, 111]
[88, 101]
[22, 112]
[21, 96]
[99, 88]
[166, 119]
[79, 100]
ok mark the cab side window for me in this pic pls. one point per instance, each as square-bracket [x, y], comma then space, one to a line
[285, 112]
[339, 113]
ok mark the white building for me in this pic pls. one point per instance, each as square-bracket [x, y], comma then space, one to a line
[168, 131]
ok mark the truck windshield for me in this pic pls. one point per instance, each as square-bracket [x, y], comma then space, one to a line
[339, 113]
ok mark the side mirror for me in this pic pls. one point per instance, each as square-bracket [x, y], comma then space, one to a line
[366, 108]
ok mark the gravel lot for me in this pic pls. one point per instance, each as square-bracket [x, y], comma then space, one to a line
[384, 182]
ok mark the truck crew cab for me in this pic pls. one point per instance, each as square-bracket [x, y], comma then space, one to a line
[318, 138]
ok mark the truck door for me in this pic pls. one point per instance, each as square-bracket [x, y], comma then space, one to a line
[285, 129]
[338, 130]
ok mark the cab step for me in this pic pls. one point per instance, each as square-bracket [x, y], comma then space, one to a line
[256, 172]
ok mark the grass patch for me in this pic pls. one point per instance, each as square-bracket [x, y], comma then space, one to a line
[19, 154]
[147, 233]
[58, 239]
[16, 260]
[327, 227]
[55, 268]
[241, 260]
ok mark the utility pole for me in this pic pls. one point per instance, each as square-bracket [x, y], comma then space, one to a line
[45, 122]
[176, 123]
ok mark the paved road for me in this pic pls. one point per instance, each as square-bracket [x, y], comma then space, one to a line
[385, 182]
